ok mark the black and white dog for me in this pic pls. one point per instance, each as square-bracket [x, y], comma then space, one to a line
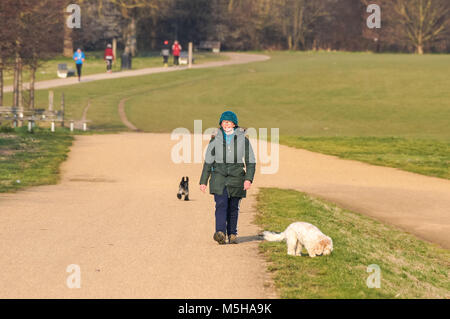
[184, 188]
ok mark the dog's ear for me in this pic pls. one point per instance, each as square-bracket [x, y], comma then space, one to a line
[187, 178]
[325, 246]
[182, 180]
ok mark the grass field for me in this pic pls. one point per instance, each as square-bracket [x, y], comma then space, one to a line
[31, 159]
[410, 268]
[423, 156]
[385, 109]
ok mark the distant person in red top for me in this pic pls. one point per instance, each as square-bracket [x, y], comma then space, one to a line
[176, 49]
[109, 58]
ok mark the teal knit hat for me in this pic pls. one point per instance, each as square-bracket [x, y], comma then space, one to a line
[228, 116]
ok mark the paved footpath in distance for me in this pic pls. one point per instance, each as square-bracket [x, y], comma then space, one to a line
[234, 58]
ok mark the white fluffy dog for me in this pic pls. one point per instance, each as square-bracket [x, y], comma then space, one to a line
[301, 234]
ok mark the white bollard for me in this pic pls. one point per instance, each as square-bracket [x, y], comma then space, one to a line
[85, 126]
[71, 126]
[15, 123]
[29, 126]
[190, 55]
[53, 126]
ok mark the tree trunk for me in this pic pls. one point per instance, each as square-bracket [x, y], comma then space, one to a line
[130, 37]
[20, 84]
[1, 82]
[15, 101]
[419, 49]
[32, 81]
[68, 42]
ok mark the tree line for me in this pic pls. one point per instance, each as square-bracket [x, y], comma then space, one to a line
[407, 25]
[33, 31]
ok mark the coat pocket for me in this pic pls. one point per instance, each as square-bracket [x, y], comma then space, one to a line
[216, 183]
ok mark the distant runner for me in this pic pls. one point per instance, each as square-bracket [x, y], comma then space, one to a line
[79, 58]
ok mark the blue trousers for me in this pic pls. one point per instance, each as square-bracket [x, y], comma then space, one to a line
[227, 211]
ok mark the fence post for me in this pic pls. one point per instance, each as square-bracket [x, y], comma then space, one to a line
[50, 100]
[62, 109]
[190, 56]
[71, 125]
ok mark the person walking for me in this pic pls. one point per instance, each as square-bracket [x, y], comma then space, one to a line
[229, 152]
[176, 50]
[79, 58]
[109, 57]
[165, 52]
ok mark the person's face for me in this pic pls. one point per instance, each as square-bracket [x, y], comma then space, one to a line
[227, 125]
[79, 51]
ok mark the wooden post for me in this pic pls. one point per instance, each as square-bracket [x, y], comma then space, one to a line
[53, 126]
[62, 109]
[71, 125]
[50, 100]
[30, 127]
[114, 47]
[190, 56]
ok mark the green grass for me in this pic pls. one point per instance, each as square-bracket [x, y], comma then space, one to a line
[410, 268]
[423, 156]
[94, 63]
[31, 159]
[385, 109]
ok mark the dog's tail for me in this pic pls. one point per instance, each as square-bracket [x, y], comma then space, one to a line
[271, 236]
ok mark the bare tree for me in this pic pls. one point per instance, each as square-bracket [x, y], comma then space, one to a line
[416, 24]
[40, 39]
[132, 11]
[423, 21]
[297, 18]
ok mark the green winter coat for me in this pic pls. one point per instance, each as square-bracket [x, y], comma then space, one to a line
[225, 164]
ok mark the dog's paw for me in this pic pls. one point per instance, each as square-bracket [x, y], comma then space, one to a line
[179, 196]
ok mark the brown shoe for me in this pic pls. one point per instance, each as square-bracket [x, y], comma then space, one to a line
[232, 239]
[219, 237]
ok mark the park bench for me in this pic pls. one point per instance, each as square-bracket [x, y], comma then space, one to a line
[17, 115]
[14, 114]
[64, 72]
[9, 112]
[184, 58]
[214, 46]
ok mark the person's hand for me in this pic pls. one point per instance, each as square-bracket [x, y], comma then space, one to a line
[247, 185]
[203, 188]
